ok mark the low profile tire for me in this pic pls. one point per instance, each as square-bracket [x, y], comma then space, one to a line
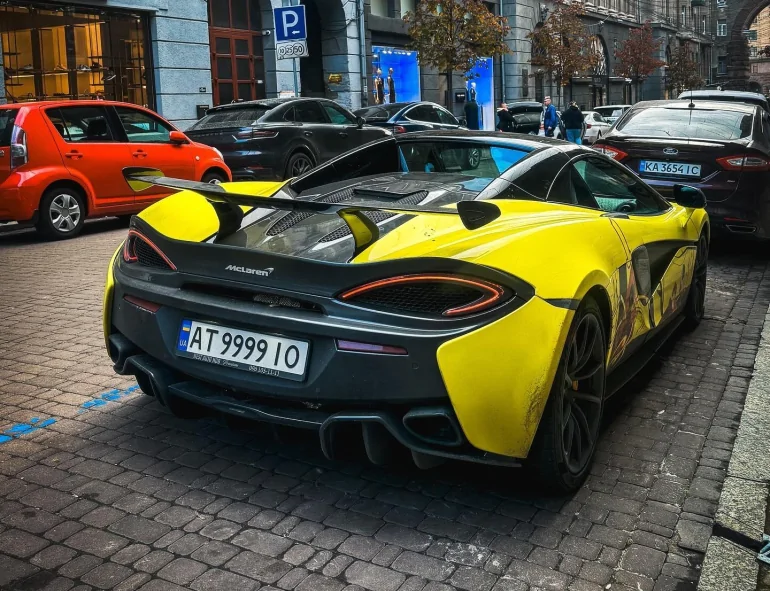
[474, 158]
[62, 213]
[565, 443]
[214, 178]
[696, 298]
[298, 164]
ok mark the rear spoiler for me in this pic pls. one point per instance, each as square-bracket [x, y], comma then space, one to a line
[473, 214]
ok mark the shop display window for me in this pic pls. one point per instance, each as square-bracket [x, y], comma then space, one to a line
[402, 67]
[51, 52]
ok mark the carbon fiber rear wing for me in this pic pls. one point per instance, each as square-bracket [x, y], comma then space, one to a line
[473, 214]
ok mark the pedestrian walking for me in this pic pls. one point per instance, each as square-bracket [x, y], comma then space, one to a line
[573, 123]
[550, 118]
[505, 119]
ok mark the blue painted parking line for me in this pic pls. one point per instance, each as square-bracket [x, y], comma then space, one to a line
[36, 423]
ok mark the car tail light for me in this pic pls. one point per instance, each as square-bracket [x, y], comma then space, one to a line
[356, 347]
[255, 134]
[588, 126]
[139, 249]
[428, 294]
[19, 155]
[613, 153]
[743, 162]
[399, 129]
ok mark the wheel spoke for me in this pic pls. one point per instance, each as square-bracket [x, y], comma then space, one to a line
[582, 421]
[588, 371]
[587, 397]
[56, 208]
[569, 433]
[566, 413]
[578, 440]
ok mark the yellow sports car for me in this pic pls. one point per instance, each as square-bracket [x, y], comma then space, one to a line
[462, 295]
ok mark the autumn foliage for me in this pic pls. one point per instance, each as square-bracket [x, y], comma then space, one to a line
[451, 35]
[636, 58]
[562, 45]
[682, 72]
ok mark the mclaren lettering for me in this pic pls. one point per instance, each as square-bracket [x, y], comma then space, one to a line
[248, 271]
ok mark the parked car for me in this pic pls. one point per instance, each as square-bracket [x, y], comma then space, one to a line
[275, 139]
[612, 113]
[528, 118]
[721, 148]
[61, 161]
[596, 126]
[753, 98]
[412, 116]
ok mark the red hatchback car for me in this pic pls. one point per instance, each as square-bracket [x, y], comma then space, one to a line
[62, 162]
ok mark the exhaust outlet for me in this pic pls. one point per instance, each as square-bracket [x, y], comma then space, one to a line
[434, 425]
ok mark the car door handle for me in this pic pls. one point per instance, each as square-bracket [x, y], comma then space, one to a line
[343, 134]
[2, 153]
[308, 133]
[140, 154]
[74, 155]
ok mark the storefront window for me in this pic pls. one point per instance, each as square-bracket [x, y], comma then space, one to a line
[52, 53]
[481, 86]
[404, 78]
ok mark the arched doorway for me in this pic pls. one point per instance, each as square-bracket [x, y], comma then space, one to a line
[739, 66]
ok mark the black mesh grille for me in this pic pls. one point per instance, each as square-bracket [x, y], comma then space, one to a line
[295, 217]
[247, 295]
[376, 216]
[429, 297]
[146, 255]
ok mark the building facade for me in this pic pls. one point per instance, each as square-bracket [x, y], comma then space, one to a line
[759, 50]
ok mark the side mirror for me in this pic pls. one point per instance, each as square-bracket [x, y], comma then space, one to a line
[360, 122]
[688, 196]
[178, 138]
[463, 121]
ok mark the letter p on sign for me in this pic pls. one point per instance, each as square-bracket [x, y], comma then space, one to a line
[289, 23]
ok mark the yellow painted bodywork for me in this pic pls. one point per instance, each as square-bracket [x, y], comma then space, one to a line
[109, 288]
[499, 377]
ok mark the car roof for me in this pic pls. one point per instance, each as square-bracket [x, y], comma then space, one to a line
[266, 103]
[612, 107]
[734, 93]
[514, 140]
[68, 103]
[680, 104]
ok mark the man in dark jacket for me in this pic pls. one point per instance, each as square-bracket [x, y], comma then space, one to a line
[573, 123]
[505, 122]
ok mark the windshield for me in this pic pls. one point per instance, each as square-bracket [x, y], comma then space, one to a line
[380, 112]
[230, 118]
[483, 161]
[703, 124]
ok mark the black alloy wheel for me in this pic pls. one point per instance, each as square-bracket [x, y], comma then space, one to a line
[299, 164]
[696, 298]
[564, 446]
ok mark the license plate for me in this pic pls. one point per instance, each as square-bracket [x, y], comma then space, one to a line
[242, 349]
[672, 168]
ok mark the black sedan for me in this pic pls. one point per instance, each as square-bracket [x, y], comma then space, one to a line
[722, 148]
[281, 138]
[406, 117]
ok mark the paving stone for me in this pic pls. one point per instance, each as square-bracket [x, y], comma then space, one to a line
[259, 567]
[107, 575]
[219, 580]
[643, 560]
[405, 537]
[423, 566]
[130, 554]
[536, 575]
[79, 566]
[182, 571]
[215, 553]
[53, 557]
[472, 579]
[262, 542]
[139, 529]
[374, 578]
[154, 561]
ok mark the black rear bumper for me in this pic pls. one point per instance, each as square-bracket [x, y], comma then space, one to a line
[428, 431]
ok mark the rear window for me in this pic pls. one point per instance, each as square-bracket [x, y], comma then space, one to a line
[703, 124]
[230, 118]
[7, 117]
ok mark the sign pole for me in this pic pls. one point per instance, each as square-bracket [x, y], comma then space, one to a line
[291, 34]
[294, 67]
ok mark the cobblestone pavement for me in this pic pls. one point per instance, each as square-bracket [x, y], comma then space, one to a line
[100, 488]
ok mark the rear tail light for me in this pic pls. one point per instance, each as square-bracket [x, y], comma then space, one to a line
[743, 162]
[255, 134]
[19, 155]
[356, 347]
[588, 126]
[399, 129]
[428, 295]
[139, 249]
[613, 153]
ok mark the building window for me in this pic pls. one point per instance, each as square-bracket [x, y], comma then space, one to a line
[703, 25]
[721, 3]
[754, 68]
[524, 82]
[53, 54]
[753, 52]
[721, 28]
[683, 17]
[237, 63]
[380, 8]
[722, 64]
[407, 6]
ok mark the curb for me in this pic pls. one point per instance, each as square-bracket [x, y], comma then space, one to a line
[744, 498]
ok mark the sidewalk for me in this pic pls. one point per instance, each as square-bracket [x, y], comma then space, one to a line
[729, 565]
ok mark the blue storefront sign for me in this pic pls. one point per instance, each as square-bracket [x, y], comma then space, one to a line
[481, 85]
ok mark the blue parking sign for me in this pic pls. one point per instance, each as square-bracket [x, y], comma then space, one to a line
[289, 23]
